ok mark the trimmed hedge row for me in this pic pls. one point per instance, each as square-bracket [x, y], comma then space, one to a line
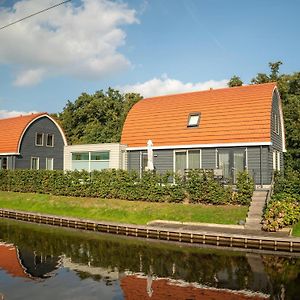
[199, 187]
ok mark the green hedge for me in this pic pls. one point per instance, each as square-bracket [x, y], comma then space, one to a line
[284, 208]
[199, 187]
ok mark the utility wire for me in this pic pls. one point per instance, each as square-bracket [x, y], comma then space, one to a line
[32, 15]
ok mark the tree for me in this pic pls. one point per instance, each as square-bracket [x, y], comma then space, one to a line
[97, 118]
[235, 81]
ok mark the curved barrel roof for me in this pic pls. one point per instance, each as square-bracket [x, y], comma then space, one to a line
[13, 129]
[229, 115]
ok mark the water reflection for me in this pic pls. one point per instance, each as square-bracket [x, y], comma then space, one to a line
[36, 260]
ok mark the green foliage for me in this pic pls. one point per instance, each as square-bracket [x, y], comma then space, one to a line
[199, 187]
[284, 209]
[288, 183]
[97, 118]
[245, 188]
[235, 81]
[281, 213]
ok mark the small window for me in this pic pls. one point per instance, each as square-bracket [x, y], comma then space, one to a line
[50, 140]
[49, 163]
[39, 139]
[35, 163]
[193, 120]
[100, 155]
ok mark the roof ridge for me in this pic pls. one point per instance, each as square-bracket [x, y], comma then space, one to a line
[22, 116]
[213, 89]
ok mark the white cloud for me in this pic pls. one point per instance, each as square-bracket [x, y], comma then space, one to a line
[165, 85]
[13, 113]
[29, 77]
[82, 41]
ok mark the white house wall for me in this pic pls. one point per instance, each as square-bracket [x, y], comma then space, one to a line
[117, 160]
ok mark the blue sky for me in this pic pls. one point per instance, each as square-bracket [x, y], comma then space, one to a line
[152, 47]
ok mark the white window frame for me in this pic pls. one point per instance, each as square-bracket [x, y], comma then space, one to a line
[51, 146]
[274, 160]
[39, 145]
[38, 162]
[89, 161]
[52, 159]
[278, 161]
[187, 158]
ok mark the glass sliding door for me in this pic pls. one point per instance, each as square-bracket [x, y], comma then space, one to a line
[224, 163]
[180, 162]
[231, 161]
[194, 159]
[238, 163]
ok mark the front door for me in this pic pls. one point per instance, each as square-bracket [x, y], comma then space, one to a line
[231, 161]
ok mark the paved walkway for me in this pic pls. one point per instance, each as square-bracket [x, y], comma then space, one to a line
[217, 228]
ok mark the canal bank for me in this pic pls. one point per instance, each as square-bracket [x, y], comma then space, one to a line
[226, 236]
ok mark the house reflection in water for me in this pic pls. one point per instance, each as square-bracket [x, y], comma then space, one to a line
[26, 264]
[32, 266]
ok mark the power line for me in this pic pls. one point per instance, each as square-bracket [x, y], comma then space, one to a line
[34, 14]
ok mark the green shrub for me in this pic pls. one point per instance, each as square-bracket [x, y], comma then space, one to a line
[201, 187]
[283, 210]
[280, 212]
[245, 188]
[288, 182]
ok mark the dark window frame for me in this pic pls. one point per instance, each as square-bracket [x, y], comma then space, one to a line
[189, 118]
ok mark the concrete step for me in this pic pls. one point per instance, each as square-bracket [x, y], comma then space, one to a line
[254, 215]
[258, 198]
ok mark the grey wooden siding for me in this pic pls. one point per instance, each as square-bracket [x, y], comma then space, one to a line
[133, 160]
[28, 148]
[276, 138]
[254, 164]
[209, 158]
[163, 160]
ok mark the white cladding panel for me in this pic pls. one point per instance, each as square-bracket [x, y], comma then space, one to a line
[117, 154]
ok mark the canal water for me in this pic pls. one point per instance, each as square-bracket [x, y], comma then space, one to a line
[40, 262]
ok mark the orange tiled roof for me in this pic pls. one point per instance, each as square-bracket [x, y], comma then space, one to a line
[135, 288]
[11, 131]
[9, 261]
[228, 115]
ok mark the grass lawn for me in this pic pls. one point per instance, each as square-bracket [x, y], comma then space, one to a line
[134, 212]
[296, 229]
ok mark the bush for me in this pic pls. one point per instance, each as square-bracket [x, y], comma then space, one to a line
[201, 187]
[245, 188]
[280, 213]
[283, 210]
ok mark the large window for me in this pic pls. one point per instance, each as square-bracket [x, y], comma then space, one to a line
[50, 140]
[49, 163]
[39, 139]
[187, 160]
[35, 163]
[90, 161]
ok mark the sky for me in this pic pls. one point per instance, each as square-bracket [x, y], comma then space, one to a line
[153, 47]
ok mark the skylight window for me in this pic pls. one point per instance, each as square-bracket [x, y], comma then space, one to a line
[193, 120]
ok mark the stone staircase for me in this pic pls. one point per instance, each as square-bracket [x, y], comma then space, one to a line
[253, 220]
